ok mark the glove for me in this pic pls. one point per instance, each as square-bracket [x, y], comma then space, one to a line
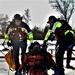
[56, 72]
[3, 43]
[31, 46]
[9, 44]
[18, 72]
[52, 38]
[44, 46]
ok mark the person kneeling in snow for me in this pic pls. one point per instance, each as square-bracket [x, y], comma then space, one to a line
[38, 62]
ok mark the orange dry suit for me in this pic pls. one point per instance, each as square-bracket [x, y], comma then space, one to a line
[38, 64]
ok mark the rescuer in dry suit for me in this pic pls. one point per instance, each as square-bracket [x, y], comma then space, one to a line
[38, 62]
[64, 35]
[18, 32]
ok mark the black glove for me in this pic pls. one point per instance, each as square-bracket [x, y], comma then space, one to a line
[52, 38]
[44, 46]
[31, 46]
[18, 73]
[9, 44]
[3, 43]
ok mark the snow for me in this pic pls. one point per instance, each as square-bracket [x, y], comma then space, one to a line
[4, 68]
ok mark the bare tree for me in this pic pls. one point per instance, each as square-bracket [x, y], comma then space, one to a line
[3, 22]
[26, 16]
[65, 7]
[38, 33]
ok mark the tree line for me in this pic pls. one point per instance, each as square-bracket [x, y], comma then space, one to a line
[65, 7]
[4, 22]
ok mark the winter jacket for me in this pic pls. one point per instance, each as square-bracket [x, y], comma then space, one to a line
[60, 28]
[18, 33]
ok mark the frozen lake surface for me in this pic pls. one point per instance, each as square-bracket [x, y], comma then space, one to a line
[4, 68]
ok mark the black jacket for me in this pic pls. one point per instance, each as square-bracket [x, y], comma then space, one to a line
[18, 33]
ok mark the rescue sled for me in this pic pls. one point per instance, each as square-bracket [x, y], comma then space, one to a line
[10, 61]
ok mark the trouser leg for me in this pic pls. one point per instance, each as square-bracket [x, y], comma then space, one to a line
[16, 56]
[69, 55]
[23, 50]
[59, 60]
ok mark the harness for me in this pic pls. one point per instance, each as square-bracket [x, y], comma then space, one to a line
[18, 34]
[35, 60]
[35, 64]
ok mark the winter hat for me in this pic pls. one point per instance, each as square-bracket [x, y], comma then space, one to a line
[17, 17]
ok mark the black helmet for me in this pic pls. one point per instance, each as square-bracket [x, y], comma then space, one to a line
[36, 45]
[17, 17]
[36, 48]
[50, 18]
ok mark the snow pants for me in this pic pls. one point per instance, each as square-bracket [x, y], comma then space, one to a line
[65, 44]
[16, 46]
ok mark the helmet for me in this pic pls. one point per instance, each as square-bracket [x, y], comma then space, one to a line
[17, 17]
[50, 18]
[36, 48]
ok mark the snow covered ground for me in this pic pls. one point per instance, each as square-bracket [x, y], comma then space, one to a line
[4, 68]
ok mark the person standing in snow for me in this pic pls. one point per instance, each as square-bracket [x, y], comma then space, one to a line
[18, 32]
[64, 34]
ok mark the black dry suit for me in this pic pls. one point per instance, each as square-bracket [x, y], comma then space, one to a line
[18, 36]
[64, 34]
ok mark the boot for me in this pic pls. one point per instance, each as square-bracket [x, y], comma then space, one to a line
[18, 73]
[70, 67]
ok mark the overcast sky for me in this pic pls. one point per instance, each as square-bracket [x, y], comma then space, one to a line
[40, 10]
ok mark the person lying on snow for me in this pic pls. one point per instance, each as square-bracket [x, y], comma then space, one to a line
[38, 61]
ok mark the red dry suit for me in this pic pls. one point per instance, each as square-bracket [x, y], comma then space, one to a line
[38, 64]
